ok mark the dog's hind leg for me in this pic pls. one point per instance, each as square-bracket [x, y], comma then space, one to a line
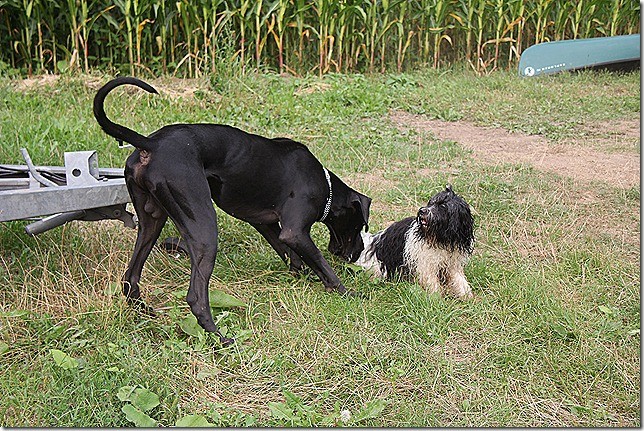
[188, 203]
[152, 218]
[271, 233]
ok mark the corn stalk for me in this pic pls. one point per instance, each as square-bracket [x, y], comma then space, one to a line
[299, 36]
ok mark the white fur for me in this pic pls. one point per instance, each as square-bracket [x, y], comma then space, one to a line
[367, 258]
[425, 262]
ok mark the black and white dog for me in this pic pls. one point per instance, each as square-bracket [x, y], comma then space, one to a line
[432, 247]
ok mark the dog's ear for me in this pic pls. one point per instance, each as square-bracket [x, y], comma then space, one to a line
[362, 204]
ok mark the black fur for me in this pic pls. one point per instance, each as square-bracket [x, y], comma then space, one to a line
[447, 222]
[276, 185]
[389, 247]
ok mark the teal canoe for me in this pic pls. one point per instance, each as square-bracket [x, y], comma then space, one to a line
[552, 57]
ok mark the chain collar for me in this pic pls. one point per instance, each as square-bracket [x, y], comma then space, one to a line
[327, 207]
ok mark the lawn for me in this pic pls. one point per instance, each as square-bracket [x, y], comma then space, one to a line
[552, 337]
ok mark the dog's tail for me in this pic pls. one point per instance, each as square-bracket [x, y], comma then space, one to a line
[121, 133]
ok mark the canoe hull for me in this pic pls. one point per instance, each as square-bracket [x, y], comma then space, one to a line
[552, 57]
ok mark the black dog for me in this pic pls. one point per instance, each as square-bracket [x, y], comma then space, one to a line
[432, 247]
[276, 185]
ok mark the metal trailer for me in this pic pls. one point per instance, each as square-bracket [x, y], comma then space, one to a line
[78, 191]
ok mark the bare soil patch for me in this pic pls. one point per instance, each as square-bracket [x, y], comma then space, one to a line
[620, 166]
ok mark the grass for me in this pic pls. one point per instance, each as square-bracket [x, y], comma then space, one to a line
[552, 338]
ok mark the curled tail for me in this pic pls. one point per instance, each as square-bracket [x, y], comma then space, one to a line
[121, 133]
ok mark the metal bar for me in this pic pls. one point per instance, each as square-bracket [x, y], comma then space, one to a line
[103, 172]
[14, 183]
[34, 173]
[26, 203]
[53, 221]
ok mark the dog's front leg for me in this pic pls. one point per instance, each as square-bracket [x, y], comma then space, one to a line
[457, 284]
[271, 233]
[430, 281]
[300, 240]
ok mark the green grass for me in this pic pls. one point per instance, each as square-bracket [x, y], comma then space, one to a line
[551, 339]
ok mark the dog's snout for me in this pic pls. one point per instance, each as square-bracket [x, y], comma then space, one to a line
[424, 212]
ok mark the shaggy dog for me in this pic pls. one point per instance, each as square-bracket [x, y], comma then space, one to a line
[432, 247]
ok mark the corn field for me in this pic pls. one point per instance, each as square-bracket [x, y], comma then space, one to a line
[192, 38]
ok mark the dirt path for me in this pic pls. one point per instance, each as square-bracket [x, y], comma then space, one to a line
[620, 166]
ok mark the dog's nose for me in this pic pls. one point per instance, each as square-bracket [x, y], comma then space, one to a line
[424, 212]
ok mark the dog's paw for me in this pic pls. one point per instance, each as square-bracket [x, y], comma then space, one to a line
[461, 288]
[141, 307]
[226, 342]
[344, 292]
[466, 296]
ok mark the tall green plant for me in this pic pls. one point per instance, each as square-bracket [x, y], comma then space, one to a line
[436, 16]
[299, 36]
[28, 19]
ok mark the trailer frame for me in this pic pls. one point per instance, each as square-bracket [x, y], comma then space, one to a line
[55, 195]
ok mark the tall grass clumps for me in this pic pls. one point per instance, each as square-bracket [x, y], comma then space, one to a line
[190, 38]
